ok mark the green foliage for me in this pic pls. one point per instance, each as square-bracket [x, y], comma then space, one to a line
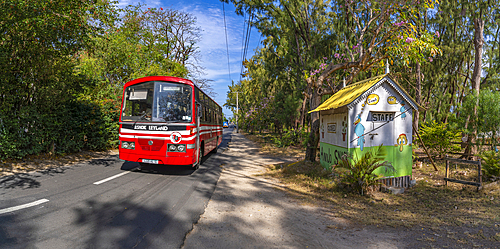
[486, 119]
[136, 48]
[37, 47]
[63, 65]
[491, 165]
[414, 155]
[438, 137]
[291, 137]
[69, 127]
[358, 172]
[39, 107]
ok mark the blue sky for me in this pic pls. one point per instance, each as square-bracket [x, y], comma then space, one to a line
[212, 46]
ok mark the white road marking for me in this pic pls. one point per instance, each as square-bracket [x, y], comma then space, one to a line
[111, 178]
[31, 204]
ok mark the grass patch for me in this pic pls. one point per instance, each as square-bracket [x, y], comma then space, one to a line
[427, 204]
[267, 146]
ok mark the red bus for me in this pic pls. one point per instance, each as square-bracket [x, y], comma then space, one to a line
[168, 120]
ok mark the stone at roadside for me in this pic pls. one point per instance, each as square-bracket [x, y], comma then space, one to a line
[392, 190]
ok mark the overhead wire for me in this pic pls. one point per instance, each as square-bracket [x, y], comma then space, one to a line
[227, 45]
[243, 37]
[247, 40]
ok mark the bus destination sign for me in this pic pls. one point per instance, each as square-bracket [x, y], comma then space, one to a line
[154, 127]
[151, 127]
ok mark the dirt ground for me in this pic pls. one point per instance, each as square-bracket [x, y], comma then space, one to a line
[251, 210]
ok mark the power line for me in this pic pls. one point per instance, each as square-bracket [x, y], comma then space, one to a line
[227, 46]
[243, 37]
[247, 40]
[249, 31]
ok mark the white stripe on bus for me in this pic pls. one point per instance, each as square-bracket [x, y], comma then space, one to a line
[156, 138]
[183, 132]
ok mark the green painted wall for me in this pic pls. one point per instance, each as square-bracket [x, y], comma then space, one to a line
[330, 154]
[401, 160]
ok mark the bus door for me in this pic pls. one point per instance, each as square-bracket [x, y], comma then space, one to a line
[198, 131]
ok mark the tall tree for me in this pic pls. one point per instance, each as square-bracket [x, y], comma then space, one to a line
[378, 30]
[38, 41]
[152, 41]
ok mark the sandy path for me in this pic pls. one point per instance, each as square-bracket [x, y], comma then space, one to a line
[249, 211]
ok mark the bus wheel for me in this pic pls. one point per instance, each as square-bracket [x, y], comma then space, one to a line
[200, 156]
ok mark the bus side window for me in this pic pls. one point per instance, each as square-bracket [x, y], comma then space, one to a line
[204, 113]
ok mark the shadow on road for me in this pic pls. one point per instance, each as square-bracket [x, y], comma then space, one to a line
[106, 162]
[14, 236]
[20, 180]
[163, 169]
[155, 216]
[121, 224]
[30, 180]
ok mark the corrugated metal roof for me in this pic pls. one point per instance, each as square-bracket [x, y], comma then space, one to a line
[348, 94]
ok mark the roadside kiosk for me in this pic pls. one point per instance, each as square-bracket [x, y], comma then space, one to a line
[367, 114]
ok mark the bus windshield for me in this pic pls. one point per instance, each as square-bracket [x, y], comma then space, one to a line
[157, 102]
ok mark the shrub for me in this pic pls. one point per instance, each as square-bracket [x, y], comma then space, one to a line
[438, 138]
[491, 165]
[291, 137]
[358, 172]
[69, 127]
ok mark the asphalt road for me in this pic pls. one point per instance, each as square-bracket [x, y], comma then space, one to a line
[106, 203]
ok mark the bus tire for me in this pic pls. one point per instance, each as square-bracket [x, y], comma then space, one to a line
[200, 157]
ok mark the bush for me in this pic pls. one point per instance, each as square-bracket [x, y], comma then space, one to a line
[438, 138]
[358, 172]
[491, 165]
[66, 128]
[291, 137]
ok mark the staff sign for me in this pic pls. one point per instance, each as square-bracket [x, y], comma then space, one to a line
[382, 116]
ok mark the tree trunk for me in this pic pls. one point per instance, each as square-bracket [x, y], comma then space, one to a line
[312, 143]
[478, 45]
[426, 100]
[302, 113]
[418, 97]
[476, 75]
[452, 99]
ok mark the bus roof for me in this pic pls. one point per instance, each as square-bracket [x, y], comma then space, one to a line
[159, 78]
[165, 78]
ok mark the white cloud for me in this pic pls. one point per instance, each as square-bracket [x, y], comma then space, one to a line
[212, 46]
[149, 3]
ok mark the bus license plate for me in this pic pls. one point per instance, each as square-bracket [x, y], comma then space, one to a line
[150, 161]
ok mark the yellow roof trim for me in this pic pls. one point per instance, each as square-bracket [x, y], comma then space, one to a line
[351, 92]
[348, 94]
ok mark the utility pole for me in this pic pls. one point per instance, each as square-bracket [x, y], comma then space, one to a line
[237, 107]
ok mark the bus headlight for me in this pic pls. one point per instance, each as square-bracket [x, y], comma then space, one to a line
[176, 148]
[181, 147]
[172, 147]
[128, 145]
